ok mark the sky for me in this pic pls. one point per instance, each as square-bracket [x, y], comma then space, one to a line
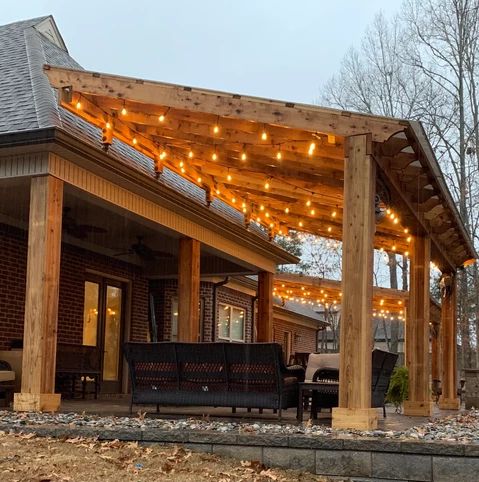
[279, 49]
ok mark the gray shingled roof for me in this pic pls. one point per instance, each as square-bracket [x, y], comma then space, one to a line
[27, 102]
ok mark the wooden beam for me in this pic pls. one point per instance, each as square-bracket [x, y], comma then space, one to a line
[417, 330]
[265, 307]
[189, 290]
[356, 341]
[300, 116]
[41, 298]
[449, 399]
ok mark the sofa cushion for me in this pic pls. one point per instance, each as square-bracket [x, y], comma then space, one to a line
[323, 361]
[7, 376]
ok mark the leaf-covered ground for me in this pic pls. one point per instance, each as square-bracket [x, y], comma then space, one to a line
[29, 458]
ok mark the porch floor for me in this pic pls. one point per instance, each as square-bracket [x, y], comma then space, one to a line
[120, 406]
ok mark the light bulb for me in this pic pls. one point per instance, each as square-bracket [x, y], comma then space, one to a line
[330, 229]
[266, 185]
[229, 177]
[279, 155]
[233, 200]
[243, 156]
[308, 203]
[161, 118]
[394, 247]
[312, 147]
[78, 105]
[312, 212]
[286, 210]
[108, 125]
[409, 239]
[190, 154]
[334, 214]
[214, 156]
[300, 224]
[216, 129]
[261, 208]
[264, 136]
[218, 192]
[135, 141]
[163, 154]
[199, 180]
[182, 163]
[182, 170]
[406, 230]
[124, 111]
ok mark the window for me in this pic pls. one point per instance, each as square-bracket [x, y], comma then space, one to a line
[231, 322]
[90, 313]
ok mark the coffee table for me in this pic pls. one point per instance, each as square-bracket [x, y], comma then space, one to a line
[313, 390]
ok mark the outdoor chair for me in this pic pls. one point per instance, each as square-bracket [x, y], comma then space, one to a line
[324, 368]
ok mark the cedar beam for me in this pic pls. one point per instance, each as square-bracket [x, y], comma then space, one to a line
[417, 330]
[354, 409]
[189, 290]
[449, 399]
[41, 297]
[265, 307]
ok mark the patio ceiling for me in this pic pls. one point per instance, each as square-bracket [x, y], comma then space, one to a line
[281, 164]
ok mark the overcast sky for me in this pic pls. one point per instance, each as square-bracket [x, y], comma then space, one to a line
[282, 49]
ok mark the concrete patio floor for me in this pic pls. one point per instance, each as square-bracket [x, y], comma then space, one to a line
[120, 406]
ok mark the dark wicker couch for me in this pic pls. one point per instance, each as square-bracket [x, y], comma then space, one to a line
[248, 375]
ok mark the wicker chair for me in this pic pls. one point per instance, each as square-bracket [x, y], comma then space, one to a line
[248, 375]
[383, 364]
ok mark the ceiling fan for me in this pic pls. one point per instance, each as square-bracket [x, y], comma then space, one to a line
[144, 251]
[73, 228]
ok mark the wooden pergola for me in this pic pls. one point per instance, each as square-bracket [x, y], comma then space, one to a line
[368, 181]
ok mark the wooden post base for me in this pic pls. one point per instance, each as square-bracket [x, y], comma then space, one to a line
[449, 403]
[355, 418]
[418, 409]
[36, 402]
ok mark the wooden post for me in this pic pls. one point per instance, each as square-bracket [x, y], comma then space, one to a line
[265, 307]
[189, 290]
[41, 297]
[436, 355]
[419, 402]
[449, 399]
[356, 339]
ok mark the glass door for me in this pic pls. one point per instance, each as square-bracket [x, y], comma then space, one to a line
[102, 328]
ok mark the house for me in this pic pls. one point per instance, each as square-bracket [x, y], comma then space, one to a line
[115, 265]
[110, 186]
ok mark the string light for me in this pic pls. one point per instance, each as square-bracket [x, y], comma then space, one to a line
[199, 180]
[243, 156]
[264, 136]
[214, 156]
[308, 203]
[161, 118]
[279, 155]
[78, 105]
[190, 154]
[261, 208]
[233, 200]
[135, 141]
[267, 185]
[163, 154]
[182, 163]
[229, 177]
[329, 229]
[124, 111]
[312, 212]
[108, 125]
[334, 214]
[286, 210]
[300, 224]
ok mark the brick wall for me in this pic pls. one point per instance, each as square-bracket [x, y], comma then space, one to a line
[74, 263]
[164, 291]
[303, 338]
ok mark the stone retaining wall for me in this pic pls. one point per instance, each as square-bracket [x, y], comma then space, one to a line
[360, 460]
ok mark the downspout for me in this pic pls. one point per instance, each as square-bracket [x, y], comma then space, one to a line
[254, 299]
[215, 287]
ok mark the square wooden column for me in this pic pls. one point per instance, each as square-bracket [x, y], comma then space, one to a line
[419, 402]
[265, 307]
[41, 297]
[356, 338]
[449, 399]
[189, 290]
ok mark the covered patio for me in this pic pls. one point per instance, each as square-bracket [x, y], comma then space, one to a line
[367, 181]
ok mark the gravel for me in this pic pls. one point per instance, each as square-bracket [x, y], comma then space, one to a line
[462, 427]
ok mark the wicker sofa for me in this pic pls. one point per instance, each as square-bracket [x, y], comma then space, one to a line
[249, 375]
